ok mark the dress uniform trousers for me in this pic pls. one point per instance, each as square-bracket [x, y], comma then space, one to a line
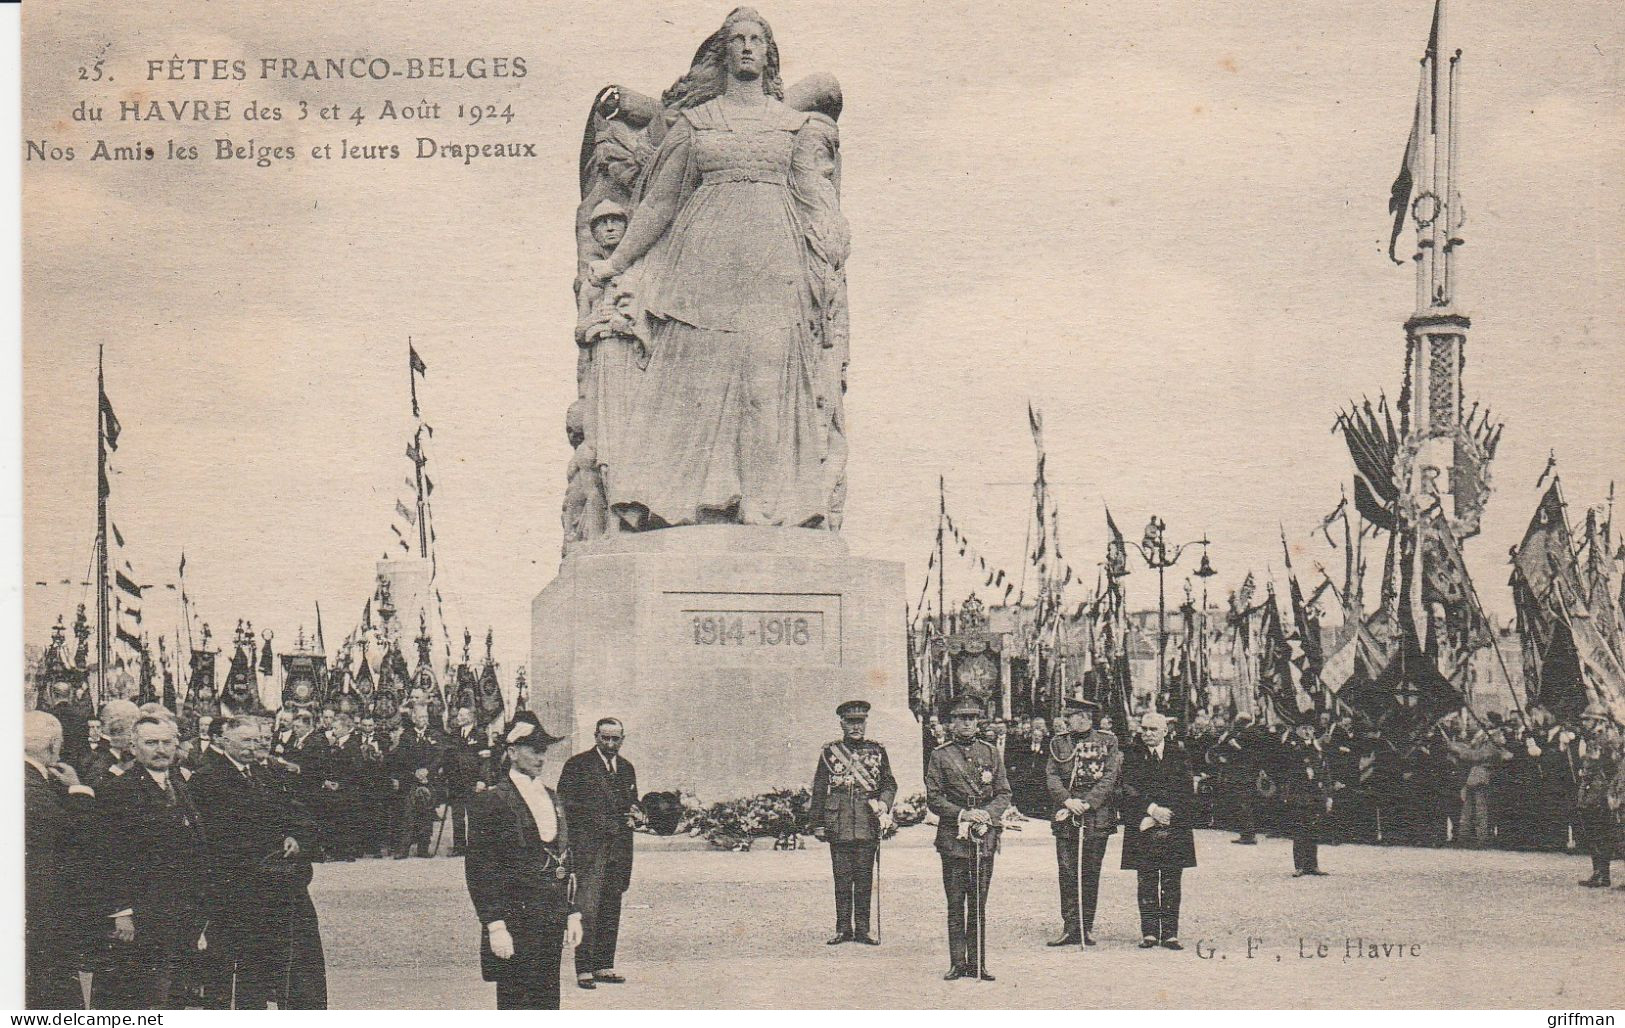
[1066, 859]
[965, 913]
[854, 867]
[530, 979]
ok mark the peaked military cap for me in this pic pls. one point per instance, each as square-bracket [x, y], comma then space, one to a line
[967, 706]
[853, 708]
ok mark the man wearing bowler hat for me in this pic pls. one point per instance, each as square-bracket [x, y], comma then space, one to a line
[852, 794]
[520, 876]
[966, 787]
[1082, 776]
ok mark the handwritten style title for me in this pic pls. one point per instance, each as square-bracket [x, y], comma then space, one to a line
[332, 69]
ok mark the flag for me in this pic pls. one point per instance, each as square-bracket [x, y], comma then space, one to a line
[110, 426]
[1308, 627]
[1372, 446]
[428, 484]
[321, 645]
[266, 665]
[1602, 669]
[1547, 550]
[1410, 169]
[406, 512]
[418, 368]
[118, 537]
[1116, 549]
[127, 584]
[183, 564]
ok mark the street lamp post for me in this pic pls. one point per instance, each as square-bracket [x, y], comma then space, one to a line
[1153, 549]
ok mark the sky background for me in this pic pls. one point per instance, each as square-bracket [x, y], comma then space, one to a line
[1162, 223]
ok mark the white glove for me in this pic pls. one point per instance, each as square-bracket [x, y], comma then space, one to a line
[572, 931]
[1077, 807]
[501, 941]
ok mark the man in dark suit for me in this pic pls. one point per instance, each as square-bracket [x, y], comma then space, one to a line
[519, 876]
[598, 789]
[966, 787]
[466, 754]
[340, 804]
[377, 813]
[152, 877]
[417, 763]
[1159, 804]
[264, 941]
[852, 794]
[57, 822]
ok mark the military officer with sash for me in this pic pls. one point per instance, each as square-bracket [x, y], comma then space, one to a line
[852, 794]
[1082, 775]
[966, 787]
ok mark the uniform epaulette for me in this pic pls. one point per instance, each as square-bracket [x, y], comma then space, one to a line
[1110, 735]
[945, 745]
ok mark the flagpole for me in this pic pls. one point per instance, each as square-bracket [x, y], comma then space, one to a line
[942, 558]
[417, 452]
[102, 487]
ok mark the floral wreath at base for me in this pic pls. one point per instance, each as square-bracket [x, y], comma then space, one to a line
[1412, 512]
[783, 815]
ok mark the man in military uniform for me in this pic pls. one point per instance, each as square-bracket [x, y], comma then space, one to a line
[852, 794]
[1306, 791]
[1082, 775]
[966, 787]
[1599, 762]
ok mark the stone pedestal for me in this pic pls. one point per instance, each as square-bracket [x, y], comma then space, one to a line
[725, 650]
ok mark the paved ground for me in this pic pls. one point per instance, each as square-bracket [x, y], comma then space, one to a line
[707, 929]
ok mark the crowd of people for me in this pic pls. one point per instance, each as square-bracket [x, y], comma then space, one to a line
[168, 857]
[1521, 783]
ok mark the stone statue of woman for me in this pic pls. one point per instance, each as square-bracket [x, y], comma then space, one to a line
[738, 247]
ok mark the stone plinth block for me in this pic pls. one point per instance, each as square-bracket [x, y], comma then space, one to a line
[725, 649]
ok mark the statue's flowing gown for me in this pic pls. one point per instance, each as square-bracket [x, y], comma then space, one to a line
[732, 420]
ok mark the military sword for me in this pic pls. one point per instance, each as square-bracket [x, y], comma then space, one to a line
[1080, 887]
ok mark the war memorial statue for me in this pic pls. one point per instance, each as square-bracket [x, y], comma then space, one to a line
[711, 298]
[703, 571]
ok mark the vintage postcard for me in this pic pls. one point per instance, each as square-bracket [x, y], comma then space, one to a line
[632, 505]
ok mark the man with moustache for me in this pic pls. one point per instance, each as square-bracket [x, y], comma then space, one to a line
[852, 794]
[153, 877]
[966, 787]
[265, 944]
[1082, 775]
[1158, 807]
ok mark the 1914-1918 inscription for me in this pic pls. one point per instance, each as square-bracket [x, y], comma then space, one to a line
[791, 626]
